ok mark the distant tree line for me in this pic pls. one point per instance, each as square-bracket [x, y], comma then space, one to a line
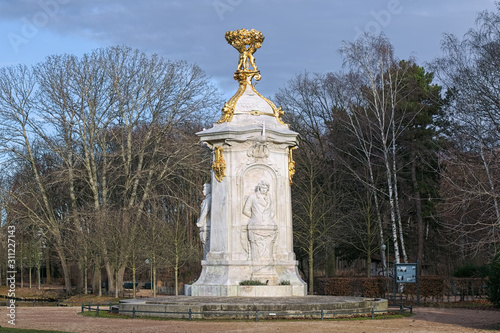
[390, 159]
[100, 164]
[101, 167]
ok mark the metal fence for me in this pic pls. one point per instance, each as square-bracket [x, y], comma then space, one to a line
[58, 302]
[432, 289]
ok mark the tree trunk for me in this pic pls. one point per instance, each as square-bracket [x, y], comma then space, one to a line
[47, 267]
[117, 294]
[79, 284]
[22, 275]
[85, 278]
[392, 208]
[111, 277]
[330, 266]
[311, 267]
[95, 281]
[396, 193]
[154, 281]
[372, 190]
[176, 274]
[368, 263]
[119, 279]
[418, 213]
[39, 277]
[133, 279]
[99, 277]
[64, 266]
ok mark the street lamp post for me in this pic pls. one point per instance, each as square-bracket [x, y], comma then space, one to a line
[150, 272]
[383, 247]
[387, 257]
[387, 267]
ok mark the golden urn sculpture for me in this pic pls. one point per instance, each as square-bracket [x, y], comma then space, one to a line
[246, 42]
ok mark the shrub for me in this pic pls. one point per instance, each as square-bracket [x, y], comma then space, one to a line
[432, 286]
[252, 283]
[374, 287]
[466, 271]
[341, 286]
[494, 281]
[338, 287]
[284, 282]
[471, 270]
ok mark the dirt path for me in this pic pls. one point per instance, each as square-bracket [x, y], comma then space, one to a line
[425, 320]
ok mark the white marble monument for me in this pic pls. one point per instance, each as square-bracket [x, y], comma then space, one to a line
[246, 221]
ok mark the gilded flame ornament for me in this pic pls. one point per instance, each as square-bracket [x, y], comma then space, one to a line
[246, 42]
[219, 165]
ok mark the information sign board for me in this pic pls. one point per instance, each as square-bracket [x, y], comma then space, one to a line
[406, 273]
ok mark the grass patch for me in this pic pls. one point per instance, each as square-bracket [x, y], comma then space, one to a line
[21, 330]
[108, 314]
[389, 315]
[33, 293]
[79, 299]
[104, 314]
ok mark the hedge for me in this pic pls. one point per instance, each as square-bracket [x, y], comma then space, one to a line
[435, 287]
[343, 286]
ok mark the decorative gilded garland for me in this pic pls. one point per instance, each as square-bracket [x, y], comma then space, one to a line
[219, 165]
[291, 165]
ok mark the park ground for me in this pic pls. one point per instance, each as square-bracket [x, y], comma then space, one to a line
[442, 320]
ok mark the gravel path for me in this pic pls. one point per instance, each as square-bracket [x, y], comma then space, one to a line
[425, 320]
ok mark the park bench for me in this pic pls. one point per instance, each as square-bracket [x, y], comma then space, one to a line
[129, 285]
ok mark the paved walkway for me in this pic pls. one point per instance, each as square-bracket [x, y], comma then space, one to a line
[426, 320]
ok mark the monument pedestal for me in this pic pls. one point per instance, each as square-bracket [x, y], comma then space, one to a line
[222, 278]
[239, 249]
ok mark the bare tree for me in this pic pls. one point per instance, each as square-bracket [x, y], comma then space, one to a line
[372, 58]
[108, 123]
[355, 146]
[18, 127]
[470, 71]
[308, 100]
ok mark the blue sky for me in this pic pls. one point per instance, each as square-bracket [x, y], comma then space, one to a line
[299, 35]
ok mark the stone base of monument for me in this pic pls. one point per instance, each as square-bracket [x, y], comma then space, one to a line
[191, 307]
[226, 278]
[245, 291]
